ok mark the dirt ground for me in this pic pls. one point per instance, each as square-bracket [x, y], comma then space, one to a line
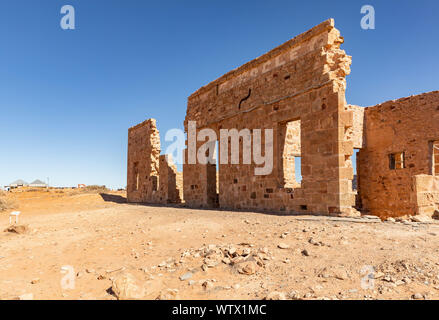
[95, 246]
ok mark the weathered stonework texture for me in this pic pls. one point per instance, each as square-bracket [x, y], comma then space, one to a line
[303, 79]
[409, 126]
[298, 91]
[152, 178]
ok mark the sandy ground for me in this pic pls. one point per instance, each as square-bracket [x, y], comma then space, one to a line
[86, 246]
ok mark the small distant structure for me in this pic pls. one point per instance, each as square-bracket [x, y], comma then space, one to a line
[38, 184]
[81, 185]
[17, 184]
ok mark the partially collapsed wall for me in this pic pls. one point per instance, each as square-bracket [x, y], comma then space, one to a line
[297, 90]
[151, 177]
[400, 137]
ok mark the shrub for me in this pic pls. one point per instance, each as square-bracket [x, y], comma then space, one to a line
[5, 203]
[93, 189]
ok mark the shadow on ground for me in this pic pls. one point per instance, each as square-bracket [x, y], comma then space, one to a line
[113, 198]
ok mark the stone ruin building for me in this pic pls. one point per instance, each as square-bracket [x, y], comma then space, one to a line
[298, 90]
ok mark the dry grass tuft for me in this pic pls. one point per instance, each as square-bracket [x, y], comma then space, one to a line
[93, 189]
[6, 203]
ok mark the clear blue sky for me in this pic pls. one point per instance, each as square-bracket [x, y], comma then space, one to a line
[67, 98]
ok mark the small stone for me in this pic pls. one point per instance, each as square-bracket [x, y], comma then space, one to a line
[248, 268]
[125, 287]
[407, 280]
[283, 246]
[168, 294]
[236, 286]
[418, 296]
[207, 285]
[305, 253]
[26, 296]
[36, 280]
[18, 229]
[186, 276]
[263, 250]
[421, 219]
[246, 252]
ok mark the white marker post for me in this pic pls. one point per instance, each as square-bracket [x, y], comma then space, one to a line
[12, 214]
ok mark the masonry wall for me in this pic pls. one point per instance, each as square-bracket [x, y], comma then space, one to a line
[407, 125]
[303, 79]
[425, 195]
[151, 177]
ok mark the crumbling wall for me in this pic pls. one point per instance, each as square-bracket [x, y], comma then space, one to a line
[356, 131]
[425, 194]
[170, 181]
[303, 79]
[151, 177]
[406, 126]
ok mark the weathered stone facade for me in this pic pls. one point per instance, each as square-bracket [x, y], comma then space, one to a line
[298, 91]
[152, 178]
[303, 79]
[408, 128]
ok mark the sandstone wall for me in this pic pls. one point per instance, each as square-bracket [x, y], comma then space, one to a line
[408, 126]
[151, 177]
[303, 79]
[425, 194]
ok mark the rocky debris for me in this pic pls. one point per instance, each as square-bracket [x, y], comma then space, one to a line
[242, 257]
[18, 229]
[401, 272]
[421, 219]
[337, 272]
[248, 268]
[283, 246]
[294, 295]
[315, 242]
[275, 295]
[35, 281]
[110, 270]
[125, 287]
[284, 235]
[350, 213]
[390, 219]
[370, 217]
